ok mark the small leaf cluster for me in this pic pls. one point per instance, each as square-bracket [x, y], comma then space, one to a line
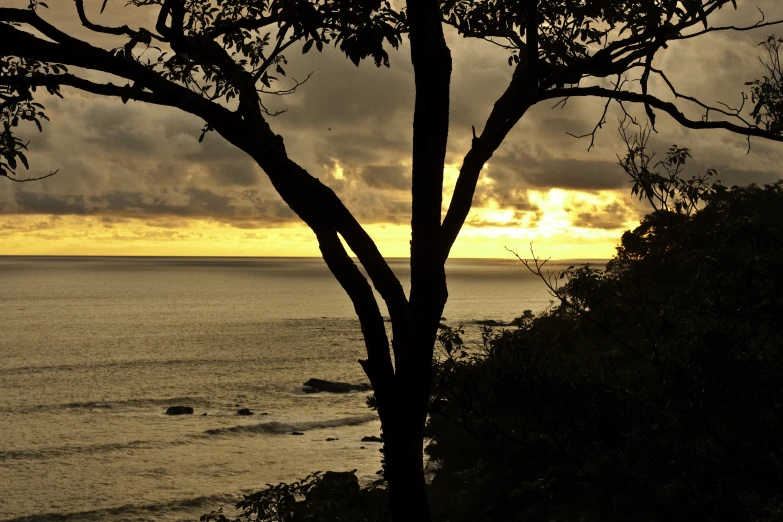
[34, 4]
[572, 31]
[322, 497]
[767, 93]
[252, 37]
[450, 338]
[17, 106]
[660, 182]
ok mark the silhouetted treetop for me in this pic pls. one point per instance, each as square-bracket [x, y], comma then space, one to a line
[600, 37]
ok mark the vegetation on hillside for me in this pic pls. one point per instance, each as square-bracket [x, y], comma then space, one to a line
[652, 391]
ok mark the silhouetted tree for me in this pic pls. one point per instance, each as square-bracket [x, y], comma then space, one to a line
[215, 63]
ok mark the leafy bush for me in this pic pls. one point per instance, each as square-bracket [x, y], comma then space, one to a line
[653, 391]
[320, 497]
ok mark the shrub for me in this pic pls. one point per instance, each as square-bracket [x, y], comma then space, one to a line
[653, 391]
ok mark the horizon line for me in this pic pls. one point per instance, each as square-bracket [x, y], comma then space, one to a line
[510, 258]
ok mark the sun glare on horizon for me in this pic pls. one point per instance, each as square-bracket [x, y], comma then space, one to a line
[551, 225]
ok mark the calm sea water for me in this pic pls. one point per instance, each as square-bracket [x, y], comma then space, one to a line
[93, 351]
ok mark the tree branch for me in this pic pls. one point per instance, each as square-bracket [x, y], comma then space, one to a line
[316, 204]
[601, 120]
[758, 25]
[243, 23]
[378, 365]
[15, 42]
[102, 89]
[667, 107]
[140, 35]
[16, 180]
[509, 108]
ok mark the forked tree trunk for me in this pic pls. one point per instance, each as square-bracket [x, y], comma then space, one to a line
[402, 390]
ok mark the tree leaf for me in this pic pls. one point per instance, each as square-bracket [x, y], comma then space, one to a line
[23, 159]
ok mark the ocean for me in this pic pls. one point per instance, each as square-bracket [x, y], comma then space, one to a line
[93, 351]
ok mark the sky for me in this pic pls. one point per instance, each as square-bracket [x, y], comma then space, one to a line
[134, 180]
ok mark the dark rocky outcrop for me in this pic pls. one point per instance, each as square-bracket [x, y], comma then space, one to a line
[490, 322]
[320, 385]
[372, 438]
[244, 411]
[335, 487]
[179, 410]
[297, 433]
[330, 439]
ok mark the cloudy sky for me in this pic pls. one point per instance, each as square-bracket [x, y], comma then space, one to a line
[133, 179]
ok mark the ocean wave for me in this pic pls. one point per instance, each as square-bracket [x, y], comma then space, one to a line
[91, 366]
[137, 512]
[269, 428]
[87, 405]
[88, 449]
[146, 402]
[279, 428]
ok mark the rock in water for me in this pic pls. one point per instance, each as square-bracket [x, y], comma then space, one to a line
[490, 322]
[372, 438]
[320, 385]
[244, 411]
[179, 410]
[297, 433]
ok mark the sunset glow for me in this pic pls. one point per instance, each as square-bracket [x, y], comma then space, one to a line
[551, 229]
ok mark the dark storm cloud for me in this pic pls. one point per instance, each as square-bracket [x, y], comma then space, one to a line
[235, 174]
[515, 170]
[32, 203]
[394, 177]
[609, 217]
[251, 211]
[379, 207]
[195, 202]
[340, 95]
[135, 160]
[579, 175]
[357, 148]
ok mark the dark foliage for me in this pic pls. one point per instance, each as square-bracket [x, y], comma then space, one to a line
[320, 497]
[653, 391]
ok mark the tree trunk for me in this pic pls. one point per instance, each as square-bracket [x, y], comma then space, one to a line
[405, 475]
[401, 390]
[403, 417]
